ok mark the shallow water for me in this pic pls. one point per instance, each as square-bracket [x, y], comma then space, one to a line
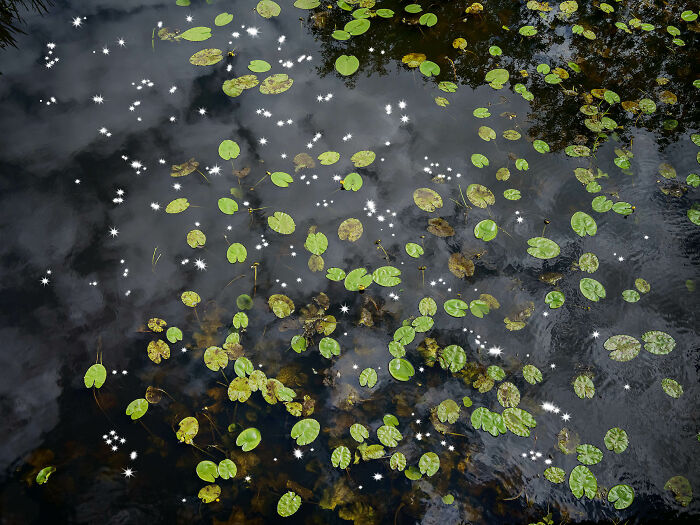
[61, 176]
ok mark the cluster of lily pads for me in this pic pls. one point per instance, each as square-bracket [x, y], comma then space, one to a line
[316, 326]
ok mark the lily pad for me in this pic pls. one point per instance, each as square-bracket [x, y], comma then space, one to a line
[622, 347]
[248, 439]
[659, 343]
[305, 431]
[582, 481]
[592, 289]
[543, 248]
[276, 84]
[290, 501]
[346, 65]
[427, 199]
[401, 369]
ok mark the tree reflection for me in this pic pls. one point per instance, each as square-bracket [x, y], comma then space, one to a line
[636, 65]
[11, 18]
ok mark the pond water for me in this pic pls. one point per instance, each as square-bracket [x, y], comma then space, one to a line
[512, 155]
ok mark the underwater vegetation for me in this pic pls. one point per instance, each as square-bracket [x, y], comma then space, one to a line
[390, 261]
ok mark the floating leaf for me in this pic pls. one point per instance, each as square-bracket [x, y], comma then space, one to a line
[518, 421]
[187, 430]
[583, 224]
[616, 440]
[268, 8]
[588, 454]
[340, 457]
[486, 230]
[248, 439]
[329, 347]
[346, 65]
[555, 474]
[206, 57]
[305, 431]
[215, 358]
[592, 289]
[414, 250]
[427, 199]
[659, 343]
[276, 84]
[350, 230]
[448, 411]
[588, 262]
[281, 223]
[358, 279]
[672, 387]
[209, 493]
[397, 461]
[227, 205]
[680, 486]
[236, 253]
[281, 305]
[158, 350]
[196, 34]
[368, 377]
[479, 195]
[329, 157]
[508, 395]
[352, 182]
[429, 68]
[177, 206]
[532, 374]
[583, 387]
[456, 307]
[389, 435]
[95, 376]
[259, 66]
[290, 501]
[429, 463]
[554, 299]
[227, 469]
[43, 475]
[621, 496]
[281, 179]
[223, 19]
[582, 481]
[401, 369]
[622, 347]
[543, 248]
[207, 470]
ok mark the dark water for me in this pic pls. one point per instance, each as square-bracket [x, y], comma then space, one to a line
[102, 289]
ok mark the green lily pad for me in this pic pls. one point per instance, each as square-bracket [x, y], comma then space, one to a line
[582, 481]
[281, 223]
[95, 376]
[543, 248]
[401, 369]
[249, 439]
[429, 463]
[592, 289]
[621, 496]
[290, 501]
[206, 57]
[622, 347]
[137, 408]
[268, 8]
[276, 84]
[340, 457]
[305, 431]
[196, 34]
[346, 65]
